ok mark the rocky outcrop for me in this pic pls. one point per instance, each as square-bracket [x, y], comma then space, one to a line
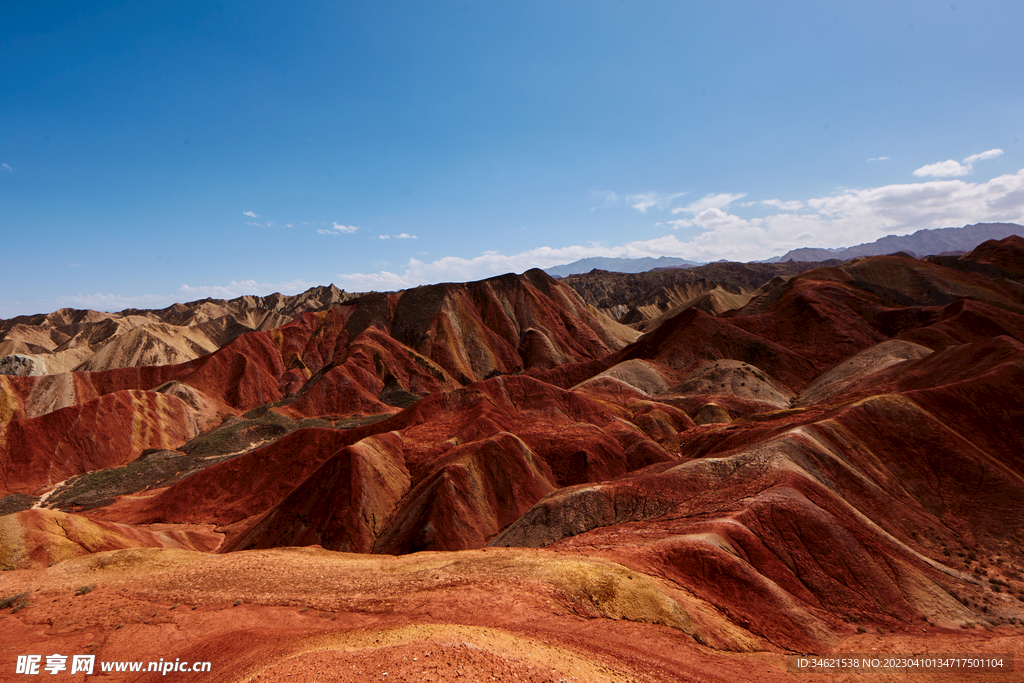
[22, 365]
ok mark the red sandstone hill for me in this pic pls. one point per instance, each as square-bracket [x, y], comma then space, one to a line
[638, 299]
[358, 359]
[835, 466]
[1006, 254]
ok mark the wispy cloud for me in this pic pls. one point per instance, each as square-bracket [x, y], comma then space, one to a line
[270, 224]
[603, 199]
[845, 218]
[951, 168]
[118, 302]
[943, 169]
[852, 217]
[399, 236]
[879, 159]
[338, 229]
[783, 206]
[646, 200]
[112, 302]
[605, 196]
[8, 168]
[238, 288]
[776, 203]
[990, 154]
[711, 201]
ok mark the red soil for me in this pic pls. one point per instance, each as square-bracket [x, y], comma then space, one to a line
[687, 536]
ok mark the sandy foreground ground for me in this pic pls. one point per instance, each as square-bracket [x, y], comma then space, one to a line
[489, 615]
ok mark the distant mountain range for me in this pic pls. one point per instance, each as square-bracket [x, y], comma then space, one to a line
[618, 265]
[920, 243]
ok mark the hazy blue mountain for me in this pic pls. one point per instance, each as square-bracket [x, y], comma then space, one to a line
[920, 243]
[618, 265]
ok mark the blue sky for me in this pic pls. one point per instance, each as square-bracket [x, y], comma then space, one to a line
[162, 152]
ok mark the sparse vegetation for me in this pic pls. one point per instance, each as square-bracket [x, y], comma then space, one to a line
[85, 589]
[16, 502]
[14, 600]
[237, 434]
[94, 489]
[318, 422]
[162, 467]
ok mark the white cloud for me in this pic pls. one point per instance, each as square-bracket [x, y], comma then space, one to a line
[117, 302]
[241, 288]
[384, 237]
[458, 269]
[951, 168]
[784, 206]
[112, 302]
[990, 154]
[383, 281]
[338, 229]
[943, 169]
[405, 236]
[643, 201]
[8, 168]
[711, 201]
[843, 219]
[604, 196]
[709, 219]
[879, 159]
[250, 214]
